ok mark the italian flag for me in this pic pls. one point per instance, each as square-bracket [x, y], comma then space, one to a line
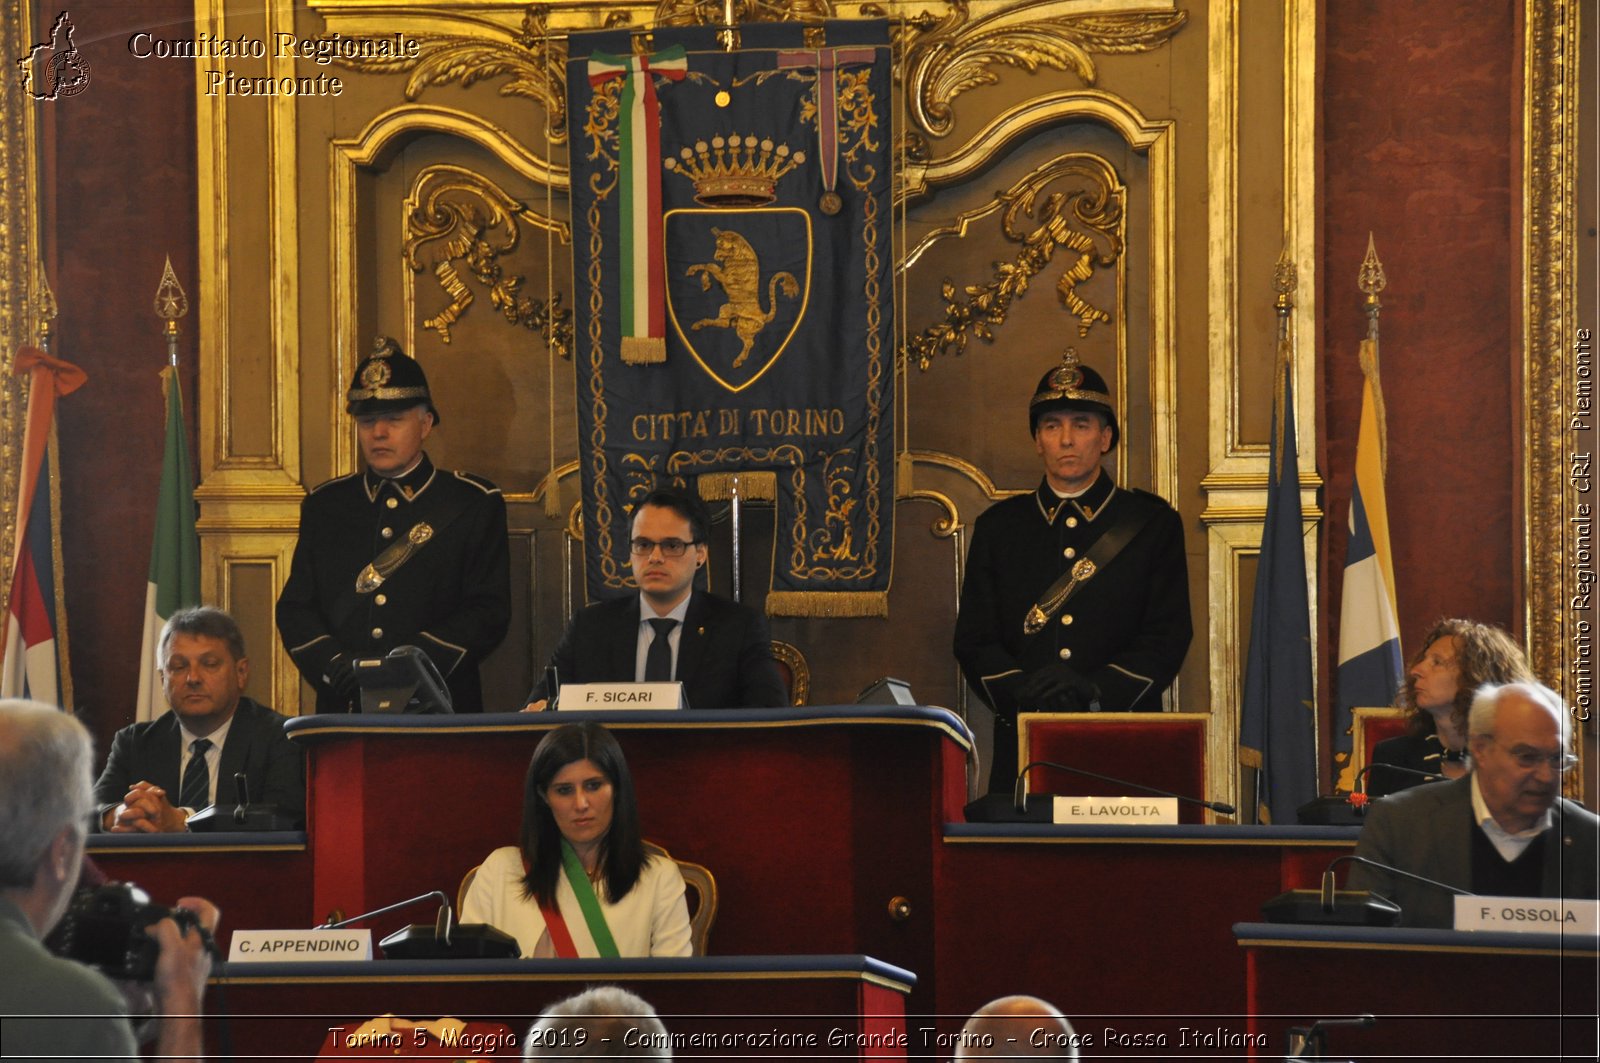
[175, 554]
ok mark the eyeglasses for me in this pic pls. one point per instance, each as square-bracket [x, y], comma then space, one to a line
[669, 547]
[1529, 759]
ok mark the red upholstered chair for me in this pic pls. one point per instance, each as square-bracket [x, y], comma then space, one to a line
[1166, 750]
[1371, 726]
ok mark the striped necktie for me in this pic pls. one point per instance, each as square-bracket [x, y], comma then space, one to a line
[195, 791]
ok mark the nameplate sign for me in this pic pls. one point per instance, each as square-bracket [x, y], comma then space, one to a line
[1528, 915]
[575, 696]
[1134, 811]
[303, 946]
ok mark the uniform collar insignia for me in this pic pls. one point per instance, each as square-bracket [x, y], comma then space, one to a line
[1089, 505]
[409, 487]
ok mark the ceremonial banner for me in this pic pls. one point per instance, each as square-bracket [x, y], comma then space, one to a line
[731, 246]
[1277, 720]
[33, 643]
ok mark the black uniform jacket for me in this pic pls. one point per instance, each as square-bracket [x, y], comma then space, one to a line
[724, 653]
[256, 745]
[1126, 630]
[451, 598]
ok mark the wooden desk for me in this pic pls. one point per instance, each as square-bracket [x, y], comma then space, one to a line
[813, 821]
[1108, 921]
[1440, 993]
[843, 1007]
[259, 880]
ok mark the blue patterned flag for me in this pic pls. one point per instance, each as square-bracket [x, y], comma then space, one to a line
[732, 252]
[1277, 727]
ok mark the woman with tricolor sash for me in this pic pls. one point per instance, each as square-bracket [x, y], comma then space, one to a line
[581, 884]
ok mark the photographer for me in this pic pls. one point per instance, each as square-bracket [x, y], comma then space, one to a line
[45, 804]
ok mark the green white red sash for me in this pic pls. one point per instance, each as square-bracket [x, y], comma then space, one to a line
[644, 290]
[588, 902]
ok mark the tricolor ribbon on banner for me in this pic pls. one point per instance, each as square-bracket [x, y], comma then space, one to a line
[827, 62]
[644, 300]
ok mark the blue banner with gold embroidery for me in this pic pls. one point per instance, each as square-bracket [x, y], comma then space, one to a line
[731, 249]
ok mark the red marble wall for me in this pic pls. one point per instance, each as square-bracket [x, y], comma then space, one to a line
[118, 195]
[1421, 122]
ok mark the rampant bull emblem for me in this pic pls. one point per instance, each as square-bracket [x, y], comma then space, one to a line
[739, 272]
[736, 296]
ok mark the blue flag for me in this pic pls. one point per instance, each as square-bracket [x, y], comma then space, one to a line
[1278, 722]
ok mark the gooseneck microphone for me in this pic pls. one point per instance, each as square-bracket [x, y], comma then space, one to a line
[1330, 890]
[435, 895]
[440, 940]
[1019, 801]
[1425, 776]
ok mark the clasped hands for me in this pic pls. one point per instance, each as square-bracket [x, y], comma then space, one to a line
[145, 809]
[1055, 687]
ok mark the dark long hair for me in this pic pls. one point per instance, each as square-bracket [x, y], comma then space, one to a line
[1484, 654]
[622, 848]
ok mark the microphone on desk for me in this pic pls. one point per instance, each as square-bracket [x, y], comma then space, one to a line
[242, 815]
[1310, 1042]
[443, 939]
[1331, 906]
[1348, 810]
[993, 808]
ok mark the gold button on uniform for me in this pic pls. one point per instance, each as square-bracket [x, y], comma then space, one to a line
[392, 502]
[377, 632]
[1065, 653]
[382, 599]
[1066, 618]
[1072, 522]
[388, 533]
[1069, 552]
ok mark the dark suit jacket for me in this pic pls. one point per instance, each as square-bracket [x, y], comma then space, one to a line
[256, 745]
[724, 653]
[1427, 830]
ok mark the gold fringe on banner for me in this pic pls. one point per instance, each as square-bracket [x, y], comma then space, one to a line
[828, 603]
[753, 486]
[644, 350]
[902, 474]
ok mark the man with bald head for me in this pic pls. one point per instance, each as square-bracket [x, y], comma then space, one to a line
[1501, 830]
[1017, 1026]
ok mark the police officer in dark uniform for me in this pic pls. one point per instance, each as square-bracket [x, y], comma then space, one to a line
[1076, 595]
[402, 554]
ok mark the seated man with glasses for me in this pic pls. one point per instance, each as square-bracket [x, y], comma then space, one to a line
[720, 650]
[162, 771]
[1501, 830]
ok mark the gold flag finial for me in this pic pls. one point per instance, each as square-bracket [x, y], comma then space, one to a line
[171, 303]
[47, 310]
[1285, 279]
[1371, 279]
